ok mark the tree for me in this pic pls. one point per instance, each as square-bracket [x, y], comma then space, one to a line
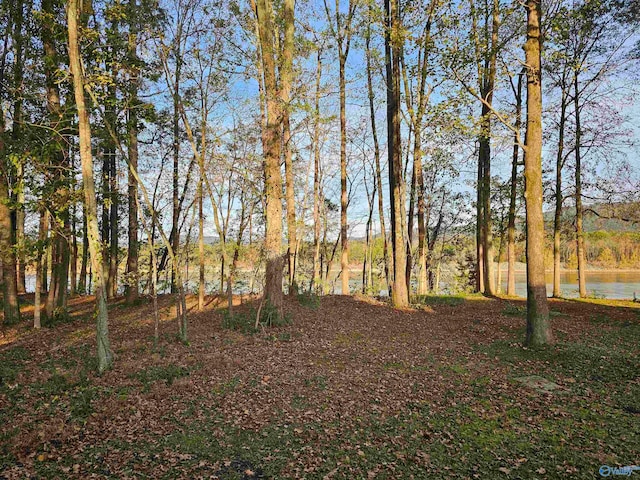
[417, 101]
[131, 290]
[393, 39]
[58, 165]
[286, 76]
[105, 357]
[538, 329]
[376, 149]
[11, 307]
[513, 195]
[272, 139]
[342, 33]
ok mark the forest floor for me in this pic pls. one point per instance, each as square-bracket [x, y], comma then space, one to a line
[350, 389]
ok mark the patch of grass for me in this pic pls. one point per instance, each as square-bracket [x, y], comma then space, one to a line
[270, 316]
[60, 316]
[309, 300]
[350, 338]
[11, 363]
[284, 337]
[299, 402]
[245, 322]
[81, 406]
[394, 366]
[239, 322]
[454, 368]
[318, 381]
[606, 362]
[167, 373]
[514, 310]
[227, 387]
[434, 300]
[600, 319]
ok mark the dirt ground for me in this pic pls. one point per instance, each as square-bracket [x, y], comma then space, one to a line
[352, 388]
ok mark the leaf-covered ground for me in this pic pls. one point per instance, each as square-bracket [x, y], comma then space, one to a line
[351, 389]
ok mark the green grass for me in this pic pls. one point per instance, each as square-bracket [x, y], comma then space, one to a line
[11, 363]
[167, 373]
[435, 300]
[515, 310]
[309, 300]
[245, 322]
[477, 427]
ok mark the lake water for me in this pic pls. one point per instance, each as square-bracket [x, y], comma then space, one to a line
[606, 284]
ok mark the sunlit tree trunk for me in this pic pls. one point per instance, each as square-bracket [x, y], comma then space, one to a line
[105, 357]
[7, 252]
[315, 280]
[511, 226]
[399, 292]
[82, 281]
[42, 236]
[272, 172]
[557, 219]
[286, 74]
[59, 198]
[538, 329]
[582, 264]
[133, 280]
[376, 153]
[342, 32]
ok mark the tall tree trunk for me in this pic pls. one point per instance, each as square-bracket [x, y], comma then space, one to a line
[175, 212]
[376, 153]
[272, 173]
[582, 264]
[82, 281]
[133, 280]
[411, 214]
[480, 229]
[511, 226]
[73, 263]
[105, 356]
[538, 329]
[42, 236]
[344, 235]
[200, 194]
[57, 291]
[286, 73]
[487, 224]
[16, 134]
[488, 85]
[114, 196]
[10, 303]
[315, 280]
[557, 219]
[342, 33]
[201, 276]
[422, 257]
[105, 230]
[399, 293]
[499, 259]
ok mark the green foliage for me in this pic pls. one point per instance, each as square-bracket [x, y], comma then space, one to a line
[245, 322]
[450, 300]
[309, 300]
[240, 322]
[167, 373]
[60, 316]
[11, 363]
[515, 310]
[226, 387]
